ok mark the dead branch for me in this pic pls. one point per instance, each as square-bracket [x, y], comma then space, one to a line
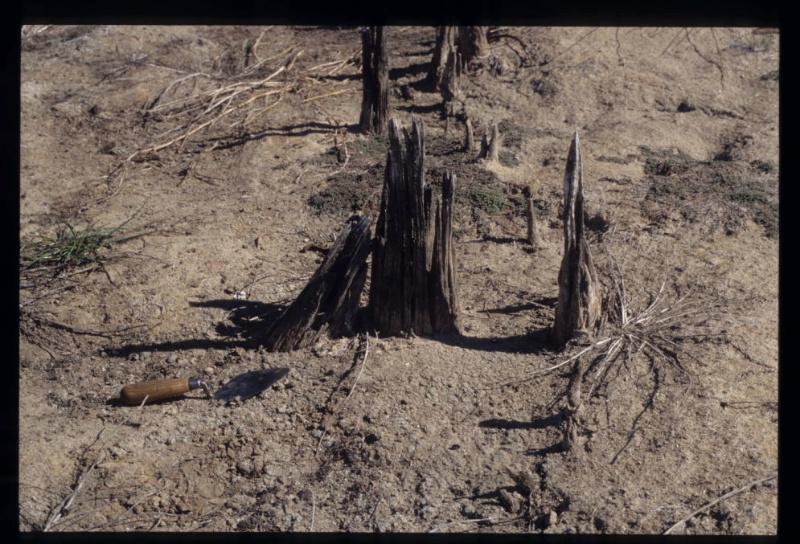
[726, 496]
[63, 508]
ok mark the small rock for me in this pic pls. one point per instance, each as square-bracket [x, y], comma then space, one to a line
[551, 518]
[245, 467]
[117, 452]
[172, 359]
[209, 370]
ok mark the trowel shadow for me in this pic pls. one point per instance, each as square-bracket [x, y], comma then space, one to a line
[243, 325]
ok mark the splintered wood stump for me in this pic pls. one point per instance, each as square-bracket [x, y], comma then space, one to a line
[451, 92]
[375, 97]
[473, 43]
[329, 301]
[534, 239]
[490, 148]
[444, 45]
[413, 286]
[579, 291]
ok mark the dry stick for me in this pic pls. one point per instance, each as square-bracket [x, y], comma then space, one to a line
[327, 94]
[352, 389]
[363, 364]
[75, 330]
[201, 126]
[576, 43]
[554, 367]
[707, 59]
[62, 509]
[152, 102]
[252, 117]
[678, 34]
[719, 500]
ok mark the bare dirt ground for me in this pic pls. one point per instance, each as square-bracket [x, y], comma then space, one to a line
[231, 158]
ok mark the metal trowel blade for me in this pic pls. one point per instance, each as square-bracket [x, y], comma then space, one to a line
[250, 384]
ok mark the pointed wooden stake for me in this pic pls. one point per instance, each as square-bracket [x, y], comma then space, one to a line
[579, 291]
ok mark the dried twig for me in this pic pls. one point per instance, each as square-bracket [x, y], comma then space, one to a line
[728, 495]
[363, 364]
[76, 330]
[550, 369]
[365, 340]
[328, 94]
[63, 508]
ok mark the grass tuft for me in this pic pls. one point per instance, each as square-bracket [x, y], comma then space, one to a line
[72, 247]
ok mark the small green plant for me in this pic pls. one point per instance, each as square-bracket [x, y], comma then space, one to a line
[749, 195]
[507, 158]
[72, 247]
[513, 135]
[375, 144]
[730, 179]
[766, 167]
[666, 167]
[485, 198]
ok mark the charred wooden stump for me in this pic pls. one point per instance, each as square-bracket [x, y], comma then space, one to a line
[413, 286]
[534, 239]
[329, 301]
[375, 98]
[490, 147]
[469, 135]
[472, 43]
[451, 91]
[444, 45]
[579, 304]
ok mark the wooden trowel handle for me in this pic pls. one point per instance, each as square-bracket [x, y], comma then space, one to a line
[156, 390]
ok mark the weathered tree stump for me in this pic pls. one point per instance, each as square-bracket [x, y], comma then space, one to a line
[413, 286]
[451, 90]
[329, 301]
[469, 135]
[490, 146]
[534, 239]
[579, 303]
[472, 43]
[444, 45]
[375, 97]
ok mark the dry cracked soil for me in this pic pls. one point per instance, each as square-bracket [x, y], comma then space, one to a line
[215, 165]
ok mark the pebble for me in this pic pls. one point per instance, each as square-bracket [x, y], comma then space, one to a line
[172, 359]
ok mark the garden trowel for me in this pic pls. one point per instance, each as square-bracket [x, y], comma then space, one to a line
[243, 386]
